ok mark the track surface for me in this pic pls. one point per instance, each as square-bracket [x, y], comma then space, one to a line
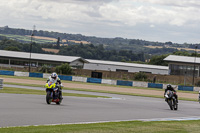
[21, 109]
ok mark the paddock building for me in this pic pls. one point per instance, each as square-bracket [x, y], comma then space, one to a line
[183, 65]
[124, 67]
[22, 59]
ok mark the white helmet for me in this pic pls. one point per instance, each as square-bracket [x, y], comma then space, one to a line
[54, 75]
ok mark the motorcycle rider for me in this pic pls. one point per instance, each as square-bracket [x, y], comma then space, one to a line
[169, 87]
[57, 80]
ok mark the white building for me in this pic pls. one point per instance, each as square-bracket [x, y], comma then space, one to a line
[183, 65]
[125, 67]
[20, 59]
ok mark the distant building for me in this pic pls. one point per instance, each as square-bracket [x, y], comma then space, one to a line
[183, 65]
[124, 67]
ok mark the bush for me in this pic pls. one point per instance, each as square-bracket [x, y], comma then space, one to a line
[45, 69]
[140, 76]
[64, 69]
[198, 83]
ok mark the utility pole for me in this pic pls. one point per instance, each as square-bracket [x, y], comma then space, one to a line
[194, 65]
[31, 47]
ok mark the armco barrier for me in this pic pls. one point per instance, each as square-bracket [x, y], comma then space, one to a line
[154, 85]
[140, 84]
[38, 75]
[3, 72]
[23, 74]
[124, 83]
[1, 83]
[109, 81]
[94, 80]
[186, 88]
[63, 77]
[79, 79]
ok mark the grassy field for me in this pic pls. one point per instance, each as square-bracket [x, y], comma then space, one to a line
[40, 92]
[101, 91]
[187, 49]
[27, 38]
[113, 127]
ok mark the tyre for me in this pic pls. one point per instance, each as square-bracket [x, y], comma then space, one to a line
[175, 105]
[48, 97]
[60, 98]
[170, 104]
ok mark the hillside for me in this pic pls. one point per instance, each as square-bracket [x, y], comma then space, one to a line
[119, 44]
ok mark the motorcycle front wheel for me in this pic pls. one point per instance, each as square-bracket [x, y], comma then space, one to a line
[48, 97]
[169, 101]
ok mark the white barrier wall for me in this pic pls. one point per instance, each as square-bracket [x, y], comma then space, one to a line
[109, 81]
[46, 75]
[79, 79]
[196, 88]
[174, 86]
[140, 84]
[23, 74]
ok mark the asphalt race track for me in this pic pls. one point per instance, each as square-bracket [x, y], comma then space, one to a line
[22, 109]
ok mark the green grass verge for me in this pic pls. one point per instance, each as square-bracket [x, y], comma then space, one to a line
[102, 91]
[113, 127]
[40, 92]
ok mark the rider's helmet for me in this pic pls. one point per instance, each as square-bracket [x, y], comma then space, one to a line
[169, 86]
[54, 75]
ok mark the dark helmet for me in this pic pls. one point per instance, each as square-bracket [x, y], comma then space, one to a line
[54, 75]
[169, 86]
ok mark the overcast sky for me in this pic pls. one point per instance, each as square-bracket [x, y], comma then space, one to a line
[152, 20]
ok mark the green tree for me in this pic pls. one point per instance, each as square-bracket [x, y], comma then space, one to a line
[64, 69]
[158, 60]
[45, 69]
[140, 76]
[12, 48]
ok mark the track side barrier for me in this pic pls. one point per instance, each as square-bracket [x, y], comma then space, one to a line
[46, 75]
[94, 80]
[124, 83]
[79, 79]
[63, 77]
[196, 89]
[22, 74]
[140, 84]
[4, 72]
[109, 81]
[37, 75]
[154, 85]
[186, 88]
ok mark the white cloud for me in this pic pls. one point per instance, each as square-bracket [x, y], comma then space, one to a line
[107, 18]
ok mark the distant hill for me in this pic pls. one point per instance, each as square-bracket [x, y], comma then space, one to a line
[118, 43]
[76, 37]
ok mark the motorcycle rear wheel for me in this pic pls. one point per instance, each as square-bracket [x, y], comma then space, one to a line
[175, 105]
[60, 99]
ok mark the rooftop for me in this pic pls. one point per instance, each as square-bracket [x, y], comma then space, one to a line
[183, 59]
[127, 64]
[36, 56]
